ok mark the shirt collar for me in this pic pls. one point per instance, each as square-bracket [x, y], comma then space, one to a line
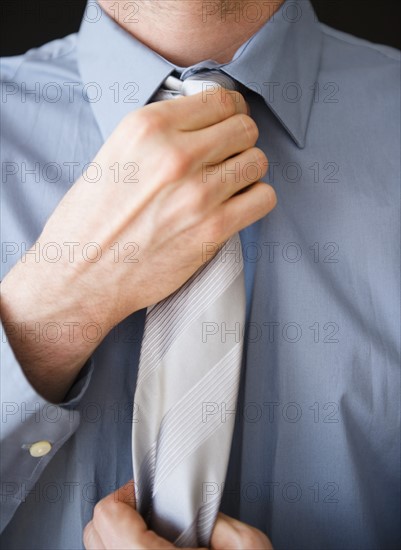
[280, 62]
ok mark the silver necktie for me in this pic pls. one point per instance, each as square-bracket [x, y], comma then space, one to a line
[187, 385]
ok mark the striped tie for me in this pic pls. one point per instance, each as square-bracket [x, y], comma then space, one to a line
[188, 384]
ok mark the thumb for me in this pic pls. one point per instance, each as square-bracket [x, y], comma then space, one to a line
[230, 534]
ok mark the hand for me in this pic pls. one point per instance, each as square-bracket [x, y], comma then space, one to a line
[150, 227]
[117, 526]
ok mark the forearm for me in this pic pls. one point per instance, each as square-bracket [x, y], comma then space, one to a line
[50, 338]
[73, 296]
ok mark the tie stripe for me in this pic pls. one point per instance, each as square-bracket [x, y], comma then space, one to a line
[177, 438]
[197, 534]
[183, 429]
[176, 447]
[190, 357]
[167, 319]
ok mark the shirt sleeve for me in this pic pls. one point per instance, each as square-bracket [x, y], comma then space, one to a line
[32, 429]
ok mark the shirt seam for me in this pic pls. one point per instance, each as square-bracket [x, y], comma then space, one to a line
[328, 31]
[26, 57]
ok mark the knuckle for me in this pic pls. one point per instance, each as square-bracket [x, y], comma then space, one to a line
[270, 197]
[128, 123]
[236, 98]
[250, 127]
[261, 159]
[177, 161]
[87, 534]
[228, 102]
[99, 511]
[146, 123]
[129, 120]
[260, 156]
[103, 509]
[262, 201]
[250, 537]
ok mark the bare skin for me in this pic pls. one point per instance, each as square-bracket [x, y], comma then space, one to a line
[85, 298]
[176, 29]
[171, 142]
[117, 525]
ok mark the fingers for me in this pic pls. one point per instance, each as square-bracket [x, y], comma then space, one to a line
[231, 534]
[241, 210]
[223, 140]
[216, 183]
[116, 525]
[255, 202]
[204, 109]
[125, 494]
[223, 180]
[114, 515]
[209, 131]
[91, 538]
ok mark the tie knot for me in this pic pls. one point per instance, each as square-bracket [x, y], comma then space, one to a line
[201, 81]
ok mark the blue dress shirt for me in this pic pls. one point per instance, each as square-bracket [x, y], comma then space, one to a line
[315, 456]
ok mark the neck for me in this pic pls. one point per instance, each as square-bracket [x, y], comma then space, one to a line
[186, 32]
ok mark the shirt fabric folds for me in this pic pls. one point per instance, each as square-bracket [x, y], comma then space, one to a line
[315, 456]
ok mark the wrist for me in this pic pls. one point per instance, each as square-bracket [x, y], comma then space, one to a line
[51, 336]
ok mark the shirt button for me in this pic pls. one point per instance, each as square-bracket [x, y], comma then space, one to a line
[40, 448]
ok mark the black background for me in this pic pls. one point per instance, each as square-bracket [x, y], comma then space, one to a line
[29, 23]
